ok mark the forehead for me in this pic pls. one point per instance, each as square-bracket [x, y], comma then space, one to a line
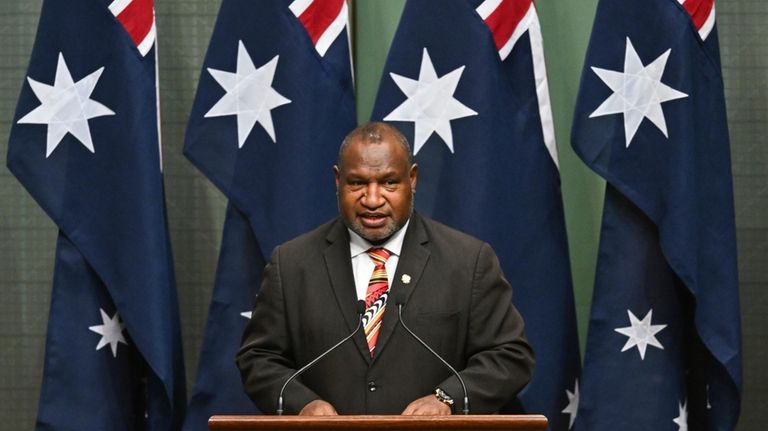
[386, 153]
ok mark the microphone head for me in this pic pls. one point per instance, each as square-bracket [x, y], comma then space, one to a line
[399, 297]
[360, 307]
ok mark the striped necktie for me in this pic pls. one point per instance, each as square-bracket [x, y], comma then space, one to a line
[375, 296]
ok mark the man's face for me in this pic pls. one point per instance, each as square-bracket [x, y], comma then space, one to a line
[375, 186]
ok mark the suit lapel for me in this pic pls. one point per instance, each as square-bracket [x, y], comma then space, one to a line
[339, 265]
[413, 258]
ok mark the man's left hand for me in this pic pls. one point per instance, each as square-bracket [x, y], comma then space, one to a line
[427, 406]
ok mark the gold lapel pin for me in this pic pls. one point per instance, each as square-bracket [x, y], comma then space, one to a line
[406, 279]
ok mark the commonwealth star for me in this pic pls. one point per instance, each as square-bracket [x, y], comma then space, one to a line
[430, 103]
[637, 92]
[66, 106]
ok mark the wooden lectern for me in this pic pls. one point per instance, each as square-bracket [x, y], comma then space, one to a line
[379, 422]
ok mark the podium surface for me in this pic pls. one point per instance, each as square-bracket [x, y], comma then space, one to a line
[379, 422]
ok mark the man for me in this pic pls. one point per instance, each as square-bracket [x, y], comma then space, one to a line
[456, 300]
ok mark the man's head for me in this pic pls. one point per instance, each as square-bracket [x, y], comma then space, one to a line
[375, 181]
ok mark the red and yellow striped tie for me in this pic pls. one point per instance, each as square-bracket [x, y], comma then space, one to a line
[376, 296]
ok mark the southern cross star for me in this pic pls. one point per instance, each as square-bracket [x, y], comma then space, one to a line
[111, 331]
[66, 106]
[637, 92]
[682, 416]
[430, 103]
[641, 333]
[573, 404]
[250, 95]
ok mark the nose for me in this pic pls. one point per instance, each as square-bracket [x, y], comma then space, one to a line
[372, 197]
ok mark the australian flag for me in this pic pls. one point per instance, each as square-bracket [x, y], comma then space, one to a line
[85, 144]
[466, 83]
[274, 102]
[664, 349]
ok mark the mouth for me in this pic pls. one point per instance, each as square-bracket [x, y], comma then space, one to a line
[373, 220]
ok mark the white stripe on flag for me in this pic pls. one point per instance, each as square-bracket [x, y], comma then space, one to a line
[299, 6]
[487, 7]
[542, 87]
[333, 31]
[118, 6]
[149, 39]
[521, 28]
[708, 25]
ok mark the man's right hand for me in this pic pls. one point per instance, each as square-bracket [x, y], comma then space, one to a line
[318, 408]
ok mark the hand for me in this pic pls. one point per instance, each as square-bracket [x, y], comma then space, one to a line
[318, 408]
[427, 406]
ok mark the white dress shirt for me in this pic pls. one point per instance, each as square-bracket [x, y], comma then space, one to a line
[362, 264]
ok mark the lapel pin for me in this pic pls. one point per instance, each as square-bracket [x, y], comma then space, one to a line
[406, 279]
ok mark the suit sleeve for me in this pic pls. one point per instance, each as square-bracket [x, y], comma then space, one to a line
[500, 361]
[265, 358]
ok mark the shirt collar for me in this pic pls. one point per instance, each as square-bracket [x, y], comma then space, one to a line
[358, 245]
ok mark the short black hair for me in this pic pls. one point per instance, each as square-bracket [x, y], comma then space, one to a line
[372, 132]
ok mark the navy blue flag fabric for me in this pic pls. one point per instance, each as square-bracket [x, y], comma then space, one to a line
[466, 84]
[664, 349]
[274, 102]
[85, 144]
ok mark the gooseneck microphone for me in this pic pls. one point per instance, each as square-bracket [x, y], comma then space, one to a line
[400, 302]
[360, 312]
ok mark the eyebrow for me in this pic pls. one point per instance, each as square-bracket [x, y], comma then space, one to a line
[378, 175]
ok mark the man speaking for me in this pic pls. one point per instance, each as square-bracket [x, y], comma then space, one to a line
[449, 286]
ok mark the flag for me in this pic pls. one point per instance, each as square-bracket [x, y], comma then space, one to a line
[274, 102]
[467, 84]
[85, 144]
[664, 349]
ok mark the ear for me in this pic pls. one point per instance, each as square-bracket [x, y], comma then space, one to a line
[413, 174]
[336, 174]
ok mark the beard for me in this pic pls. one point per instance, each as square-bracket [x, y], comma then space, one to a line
[380, 235]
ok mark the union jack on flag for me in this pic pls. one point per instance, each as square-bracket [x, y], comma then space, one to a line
[138, 19]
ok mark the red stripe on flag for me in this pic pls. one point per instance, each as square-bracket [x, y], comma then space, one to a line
[504, 20]
[137, 19]
[319, 15]
[699, 11]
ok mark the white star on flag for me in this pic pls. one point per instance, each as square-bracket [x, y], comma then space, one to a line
[682, 416]
[111, 331]
[247, 314]
[573, 403]
[250, 95]
[430, 103]
[641, 333]
[637, 92]
[66, 107]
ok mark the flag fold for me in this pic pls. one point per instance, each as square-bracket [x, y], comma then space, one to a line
[85, 144]
[664, 345]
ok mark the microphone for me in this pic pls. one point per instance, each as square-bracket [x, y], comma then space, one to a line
[400, 302]
[360, 312]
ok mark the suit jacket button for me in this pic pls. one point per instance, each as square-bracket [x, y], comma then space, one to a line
[372, 386]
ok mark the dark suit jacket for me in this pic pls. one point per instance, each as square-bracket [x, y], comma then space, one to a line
[457, 301]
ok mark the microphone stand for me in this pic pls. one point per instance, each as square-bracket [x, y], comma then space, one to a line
[360, 311]
[400, 303]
